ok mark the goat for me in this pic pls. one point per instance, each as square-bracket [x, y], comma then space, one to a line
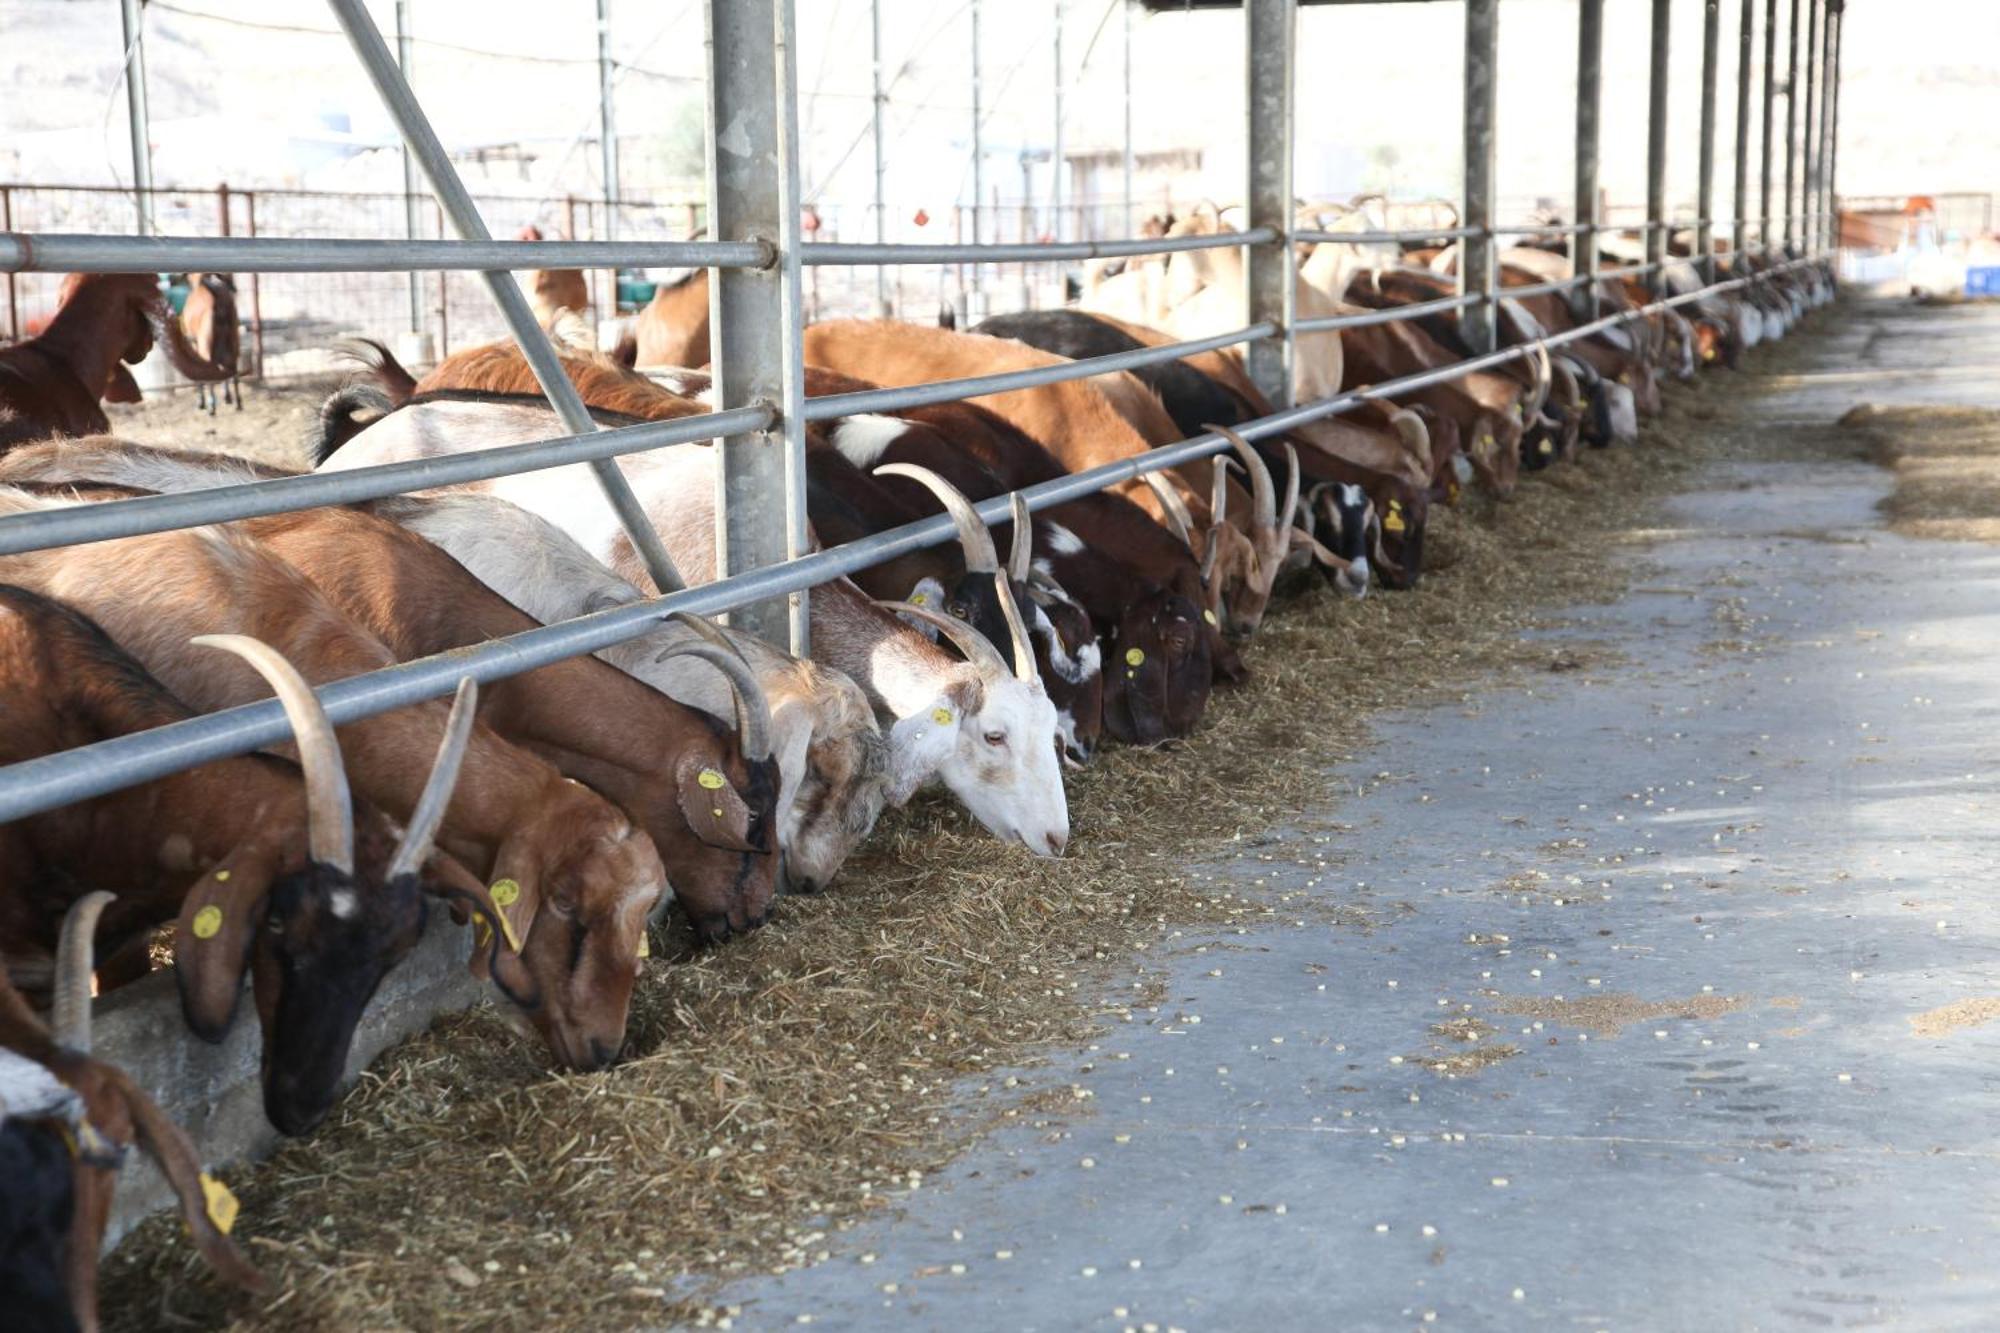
[576, 880]
[559, 297]
[51, 384]
[66, 1124]
[209, 319]
[258, 858]
[672, 330]
[988, 732]
[830, 756]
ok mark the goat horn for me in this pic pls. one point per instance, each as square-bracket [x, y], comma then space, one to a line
[978, 649]
[973, 536]
[707, 629]
[753, 710]
[71, 1019]
[1021, 556]
[1179, 520]
[1542, 378]
[1218, 491]
[1264, 512]
[1291, 506]
[1024, 651]
[424, 820]
[329, 809]
[1416, 436]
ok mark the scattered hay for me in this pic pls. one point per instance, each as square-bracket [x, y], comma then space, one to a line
[799, 1080]
[1612, 1012]
[1946, 461]
[1470, 1052]
[1955, 1017]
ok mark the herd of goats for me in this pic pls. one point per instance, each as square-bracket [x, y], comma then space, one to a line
[562, 810]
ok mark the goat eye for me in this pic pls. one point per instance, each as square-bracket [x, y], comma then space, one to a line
[996, 738]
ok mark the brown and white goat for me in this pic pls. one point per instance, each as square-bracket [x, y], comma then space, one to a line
[259, 859]
[51, 384]
[209, 319]
[67, 1123]
[575, 880]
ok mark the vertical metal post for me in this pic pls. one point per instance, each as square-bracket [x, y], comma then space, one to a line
[1809, 169]
[1269, 33]
[1833, 137]
[1770, 105]
[13, 292]
[1131, 226]
[607, 119]
[978, 162]
[1704, 225]
[137, 120]
[1792, 133]
[1589, 96]
[403, 108]
[1739, 236]
[412, 222]
[879, 109]
[753, 193]
[1656, 147]
[1476, 269]
[222, 209]
[1056, 154]
[256, 287]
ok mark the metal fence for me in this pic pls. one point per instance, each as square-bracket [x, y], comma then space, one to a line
[759, 313]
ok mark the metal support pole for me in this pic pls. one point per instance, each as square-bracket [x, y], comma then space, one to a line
[1589, 96]
[1809, 149]
[1833, 134]
[755, 314]
[1269, 35]
[1058, 231]
[1476, 267]
[879, 109]
[1739, 236]
[412, 208]
[1656, 147]
[137, 119]
[607, 118]
[1704, 225]
[1131, 226]
[403, 108]
[1770, 105]
[972, 298]
[13, 293]
[256, 289]
[1792, 135]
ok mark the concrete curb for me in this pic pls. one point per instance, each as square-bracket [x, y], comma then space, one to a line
[214, 1092]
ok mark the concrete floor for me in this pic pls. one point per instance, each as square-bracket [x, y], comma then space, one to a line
[1716, 882]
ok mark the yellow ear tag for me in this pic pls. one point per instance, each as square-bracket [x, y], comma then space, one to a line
[1394, 522]
[711, 779]
[941, 716]
[1208, 615]
[1545, 448]
[221, 1204]
[920, 599]
[222, 877]
[207, 922]
[1486, 441]
[1136, 656]
[645, 945]
[506, 892]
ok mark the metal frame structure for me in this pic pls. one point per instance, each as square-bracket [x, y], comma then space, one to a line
[761, 413]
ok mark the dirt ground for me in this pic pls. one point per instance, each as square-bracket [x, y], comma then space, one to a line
[273, 425]
[1947, 465]
[788, 1086]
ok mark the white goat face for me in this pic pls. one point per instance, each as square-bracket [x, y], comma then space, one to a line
[995, 744]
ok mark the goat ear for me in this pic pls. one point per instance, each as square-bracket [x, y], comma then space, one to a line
[122, 388]
[715, 812]
[928, 592]
[215, 932]
[498, 931]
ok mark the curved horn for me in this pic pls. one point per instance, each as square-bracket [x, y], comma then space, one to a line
[1291, 505]
[424, 820]
[1179, 520]
[1218, 491]
[329, 809]
[973, 536]
[1024, 651]
[1542, 379]
[977, 648]
[753, 710]
[71, 1020]
[1264, 513]
[1416, 436]
[1021, 556]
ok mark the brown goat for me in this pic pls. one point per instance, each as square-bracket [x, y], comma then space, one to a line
[209, 319]
[672, 329]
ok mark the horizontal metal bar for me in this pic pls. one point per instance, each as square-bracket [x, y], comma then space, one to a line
[1541, 229]
[42, 529]
[93, 770]
[843, 252]
[1384, 237]
[1547, 288]
[1443, 305]
[951, 391]
[22, 252]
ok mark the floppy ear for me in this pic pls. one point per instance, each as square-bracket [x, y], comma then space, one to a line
[930, 593]
[713, 809]
[121, 388]
[494, 935]
[216, 929]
